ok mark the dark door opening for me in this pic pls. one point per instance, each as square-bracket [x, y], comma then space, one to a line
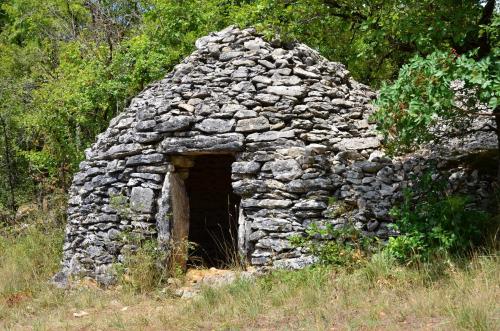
[213, 220]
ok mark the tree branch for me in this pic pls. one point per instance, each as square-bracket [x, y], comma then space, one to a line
[473, 39]
[345, 11]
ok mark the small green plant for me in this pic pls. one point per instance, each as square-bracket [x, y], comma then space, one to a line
[120, 203]
[332, 200]
[147, 265]
[143, 269]
[433, 223]
[337, 208]
[344, 246]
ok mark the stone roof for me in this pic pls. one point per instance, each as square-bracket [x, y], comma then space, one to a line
[234, 84]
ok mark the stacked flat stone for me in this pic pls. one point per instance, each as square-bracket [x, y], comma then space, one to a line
[296, 123]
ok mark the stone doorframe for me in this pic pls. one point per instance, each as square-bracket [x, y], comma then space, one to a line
[173, 217]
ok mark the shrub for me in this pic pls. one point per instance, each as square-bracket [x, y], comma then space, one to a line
[343, 246]
[147, 266]
[431, 223]
[144, 268]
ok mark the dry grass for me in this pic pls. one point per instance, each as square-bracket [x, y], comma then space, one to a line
[313, 299]
[378, 296]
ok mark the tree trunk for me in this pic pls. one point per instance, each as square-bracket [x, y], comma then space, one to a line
[474, 39]
[497, 123]
[496, 185]
[9, 165]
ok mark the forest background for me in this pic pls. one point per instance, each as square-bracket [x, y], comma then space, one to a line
[68, 66]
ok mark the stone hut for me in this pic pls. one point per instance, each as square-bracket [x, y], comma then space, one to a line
[244, 144]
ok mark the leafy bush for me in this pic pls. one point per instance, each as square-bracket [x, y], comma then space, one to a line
[433, 223]
[345, 246]
[423, 103]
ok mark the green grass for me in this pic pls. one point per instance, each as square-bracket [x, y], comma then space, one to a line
[380, 295]
[28, 258]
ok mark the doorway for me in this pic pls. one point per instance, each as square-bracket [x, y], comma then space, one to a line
[213, 212]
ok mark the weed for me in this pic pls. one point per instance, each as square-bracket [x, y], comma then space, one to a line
[28, 256]
[227, 245]
[471, 318]
[447, 294]
[343, 246]
[433, 224]
[143, 269]
[380, 294]
[120, 204]
[337, 208]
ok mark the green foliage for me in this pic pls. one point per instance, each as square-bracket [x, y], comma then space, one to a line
[345, 246]
[410, 109]
[433, 223]
[147, 266]
[68, 66]
[372, 38]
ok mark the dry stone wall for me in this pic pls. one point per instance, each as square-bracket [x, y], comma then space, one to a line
[296, 123]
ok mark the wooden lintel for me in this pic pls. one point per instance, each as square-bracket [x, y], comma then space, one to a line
[180, 226]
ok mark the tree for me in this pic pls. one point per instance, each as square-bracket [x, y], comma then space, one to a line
[373, 38]
[68, 66]
[8, 162]
[422, 98]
